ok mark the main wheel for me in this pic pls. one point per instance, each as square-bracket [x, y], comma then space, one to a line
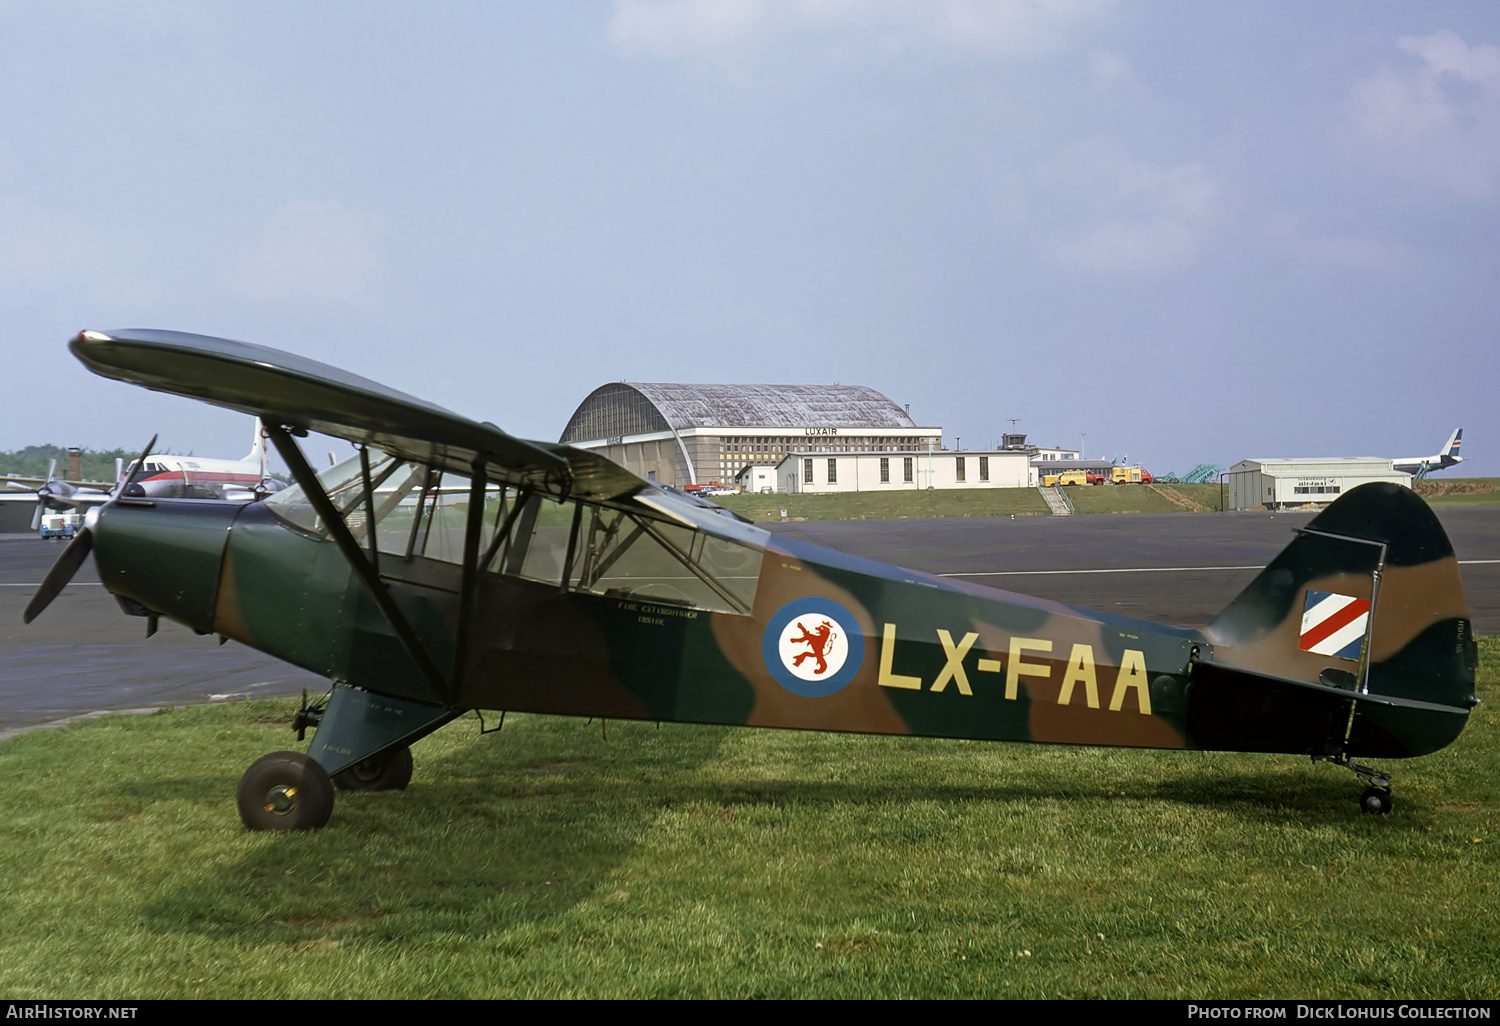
[285, 791]
[388, 771]
[1375, 800]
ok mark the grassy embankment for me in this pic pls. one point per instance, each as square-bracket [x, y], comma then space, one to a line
[713, 862]
[987, 502]
[1000, 502]
[1471, 491]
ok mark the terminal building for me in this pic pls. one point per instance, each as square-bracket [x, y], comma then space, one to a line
[817, 473]
[1284, 483]
[680, 435]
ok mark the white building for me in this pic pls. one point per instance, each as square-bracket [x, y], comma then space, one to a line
[1282, 483]
[756, 478]
[822, 473]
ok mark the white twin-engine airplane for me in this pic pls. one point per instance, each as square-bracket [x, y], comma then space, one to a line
[189, 477]
[60, 504]
[1441, 460]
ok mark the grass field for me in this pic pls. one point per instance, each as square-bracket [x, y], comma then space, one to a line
[549, 861]
[1461, 491]
[1000, 502]
[987, 502]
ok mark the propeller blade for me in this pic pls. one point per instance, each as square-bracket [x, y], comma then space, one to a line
[36, 517]
[140, 465]
[61, 573]
[78, 549]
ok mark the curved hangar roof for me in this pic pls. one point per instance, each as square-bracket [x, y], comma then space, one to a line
[635, 408]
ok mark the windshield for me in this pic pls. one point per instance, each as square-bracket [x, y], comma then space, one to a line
[344, 484]
[421, 511]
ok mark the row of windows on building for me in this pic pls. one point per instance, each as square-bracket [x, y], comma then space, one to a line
[782, 446]
[907, 469]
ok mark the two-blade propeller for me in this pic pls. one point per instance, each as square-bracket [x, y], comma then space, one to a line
[78, 549]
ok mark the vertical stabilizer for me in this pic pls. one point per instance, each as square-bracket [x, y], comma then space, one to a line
[260, 455]
[1366, 599]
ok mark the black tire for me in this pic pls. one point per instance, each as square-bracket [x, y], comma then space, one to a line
[285, 791]
[388, 771]
[1376, 801]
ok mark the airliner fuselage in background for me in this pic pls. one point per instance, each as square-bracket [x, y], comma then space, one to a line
[189, 477]
[1441, 460]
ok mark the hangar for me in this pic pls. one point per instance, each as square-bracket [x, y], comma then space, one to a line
[679, 434]
[1283, 483]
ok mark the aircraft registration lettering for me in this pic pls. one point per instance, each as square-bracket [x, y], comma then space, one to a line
[1082, 669]
[1020, 668]
[1132, 675]
[887, 678]
[954, 670]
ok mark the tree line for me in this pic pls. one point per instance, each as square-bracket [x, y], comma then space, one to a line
[97, 464]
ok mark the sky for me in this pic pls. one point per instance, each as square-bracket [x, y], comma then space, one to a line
[1181, 232]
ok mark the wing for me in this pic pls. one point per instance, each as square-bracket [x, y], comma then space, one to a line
[12, 483]
[79, 499]
[307, 395]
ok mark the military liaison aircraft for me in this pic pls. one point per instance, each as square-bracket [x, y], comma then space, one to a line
[449, 566]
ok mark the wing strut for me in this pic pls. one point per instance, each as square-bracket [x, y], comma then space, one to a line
[339, 531]
[475, 523]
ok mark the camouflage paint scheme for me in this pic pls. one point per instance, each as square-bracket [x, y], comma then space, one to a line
[917, 654]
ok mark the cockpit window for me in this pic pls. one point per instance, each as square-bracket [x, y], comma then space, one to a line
[621, 554]
[600, 550]
[344, 484]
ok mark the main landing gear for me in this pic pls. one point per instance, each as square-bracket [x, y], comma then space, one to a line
[285, 791]
[289, 791]
[388, 771]
[361, 743]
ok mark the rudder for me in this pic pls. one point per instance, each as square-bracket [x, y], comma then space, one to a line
[1367, 599]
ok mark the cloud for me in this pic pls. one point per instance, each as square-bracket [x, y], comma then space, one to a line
[313, 254]
[681, 27]
[1436, 122]
[1348, 251]
[1148, 218]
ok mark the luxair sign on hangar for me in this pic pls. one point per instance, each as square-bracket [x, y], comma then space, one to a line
[1286, 483]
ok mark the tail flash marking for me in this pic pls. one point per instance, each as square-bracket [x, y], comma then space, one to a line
[1333, 624]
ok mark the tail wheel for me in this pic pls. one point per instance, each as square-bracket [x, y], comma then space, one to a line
[285, 791]
[1376, 801]
[388, 771]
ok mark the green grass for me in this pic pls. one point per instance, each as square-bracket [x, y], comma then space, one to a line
[986, 502]
[1145, 498]
[549, 861]
[949, 502]
[1460, 491]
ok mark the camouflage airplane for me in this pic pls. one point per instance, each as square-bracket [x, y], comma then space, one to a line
[450, 567]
